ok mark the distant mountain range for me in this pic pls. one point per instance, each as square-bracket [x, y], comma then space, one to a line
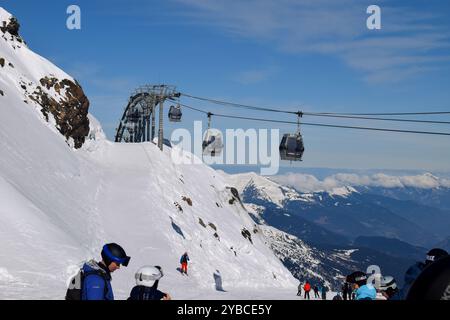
[390, 227]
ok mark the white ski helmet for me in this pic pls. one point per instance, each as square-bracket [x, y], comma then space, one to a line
[147, 275]
[388, 282]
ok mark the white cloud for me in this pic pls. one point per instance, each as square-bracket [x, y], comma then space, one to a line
[411, 41]
[255, 76]
[309, 183]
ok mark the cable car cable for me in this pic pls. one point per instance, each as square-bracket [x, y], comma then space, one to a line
[320, 124]
[330, 114]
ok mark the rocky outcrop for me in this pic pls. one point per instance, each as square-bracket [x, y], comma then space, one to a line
[12, 27]
[54, 92]
[69, 107]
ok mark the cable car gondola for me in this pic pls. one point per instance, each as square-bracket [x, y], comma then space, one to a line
[175, 114]
[291, 146]
[212, 141]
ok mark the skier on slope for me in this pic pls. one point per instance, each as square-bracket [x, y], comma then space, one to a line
[147, 280]
[184, 262]
[93, 281]
[416, 269]
[307, 288]
[299, 289]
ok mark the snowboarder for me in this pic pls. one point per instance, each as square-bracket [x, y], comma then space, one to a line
[316, 292]
[147, 280]
[416, 269]
[299, 290]
[307, 288]
[184, 262]
[363, 290]
[93, 281]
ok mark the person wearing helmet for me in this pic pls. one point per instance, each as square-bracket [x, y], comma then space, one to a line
[434, 255]
[363, 290]
[97, 275]
[433, 283]
[147, 280]
[389, 289]
[416, 269]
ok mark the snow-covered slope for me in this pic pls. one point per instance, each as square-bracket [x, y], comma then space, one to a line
[58, 205]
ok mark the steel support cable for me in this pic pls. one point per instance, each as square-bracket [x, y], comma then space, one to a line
[319, 124]
[331, 114]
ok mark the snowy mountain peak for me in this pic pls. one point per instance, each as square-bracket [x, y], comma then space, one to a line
[342, 191]
[267, 189]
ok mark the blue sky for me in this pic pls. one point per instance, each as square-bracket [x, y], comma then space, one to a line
[315, 54]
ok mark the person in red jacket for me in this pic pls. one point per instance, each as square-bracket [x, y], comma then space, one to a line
[307, 288]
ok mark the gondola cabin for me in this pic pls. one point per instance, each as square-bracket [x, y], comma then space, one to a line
[291, 147]
[175, 114]
[212, 143]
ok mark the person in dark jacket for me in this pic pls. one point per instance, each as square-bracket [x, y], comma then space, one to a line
[337, 297]
[433, 283]
[97, 280]
[316, 292]
[389, 288]
[147, 280]
[324, 292]
[184, 262]
[345, 291]
[416, 269]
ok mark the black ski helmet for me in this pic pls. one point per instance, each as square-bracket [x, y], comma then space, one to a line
[435, 254]
[357, 277]
[112, 252]
[433, 283]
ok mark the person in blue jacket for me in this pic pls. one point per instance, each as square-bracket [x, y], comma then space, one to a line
[97, 275]
[363, 290]
[366, 292]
